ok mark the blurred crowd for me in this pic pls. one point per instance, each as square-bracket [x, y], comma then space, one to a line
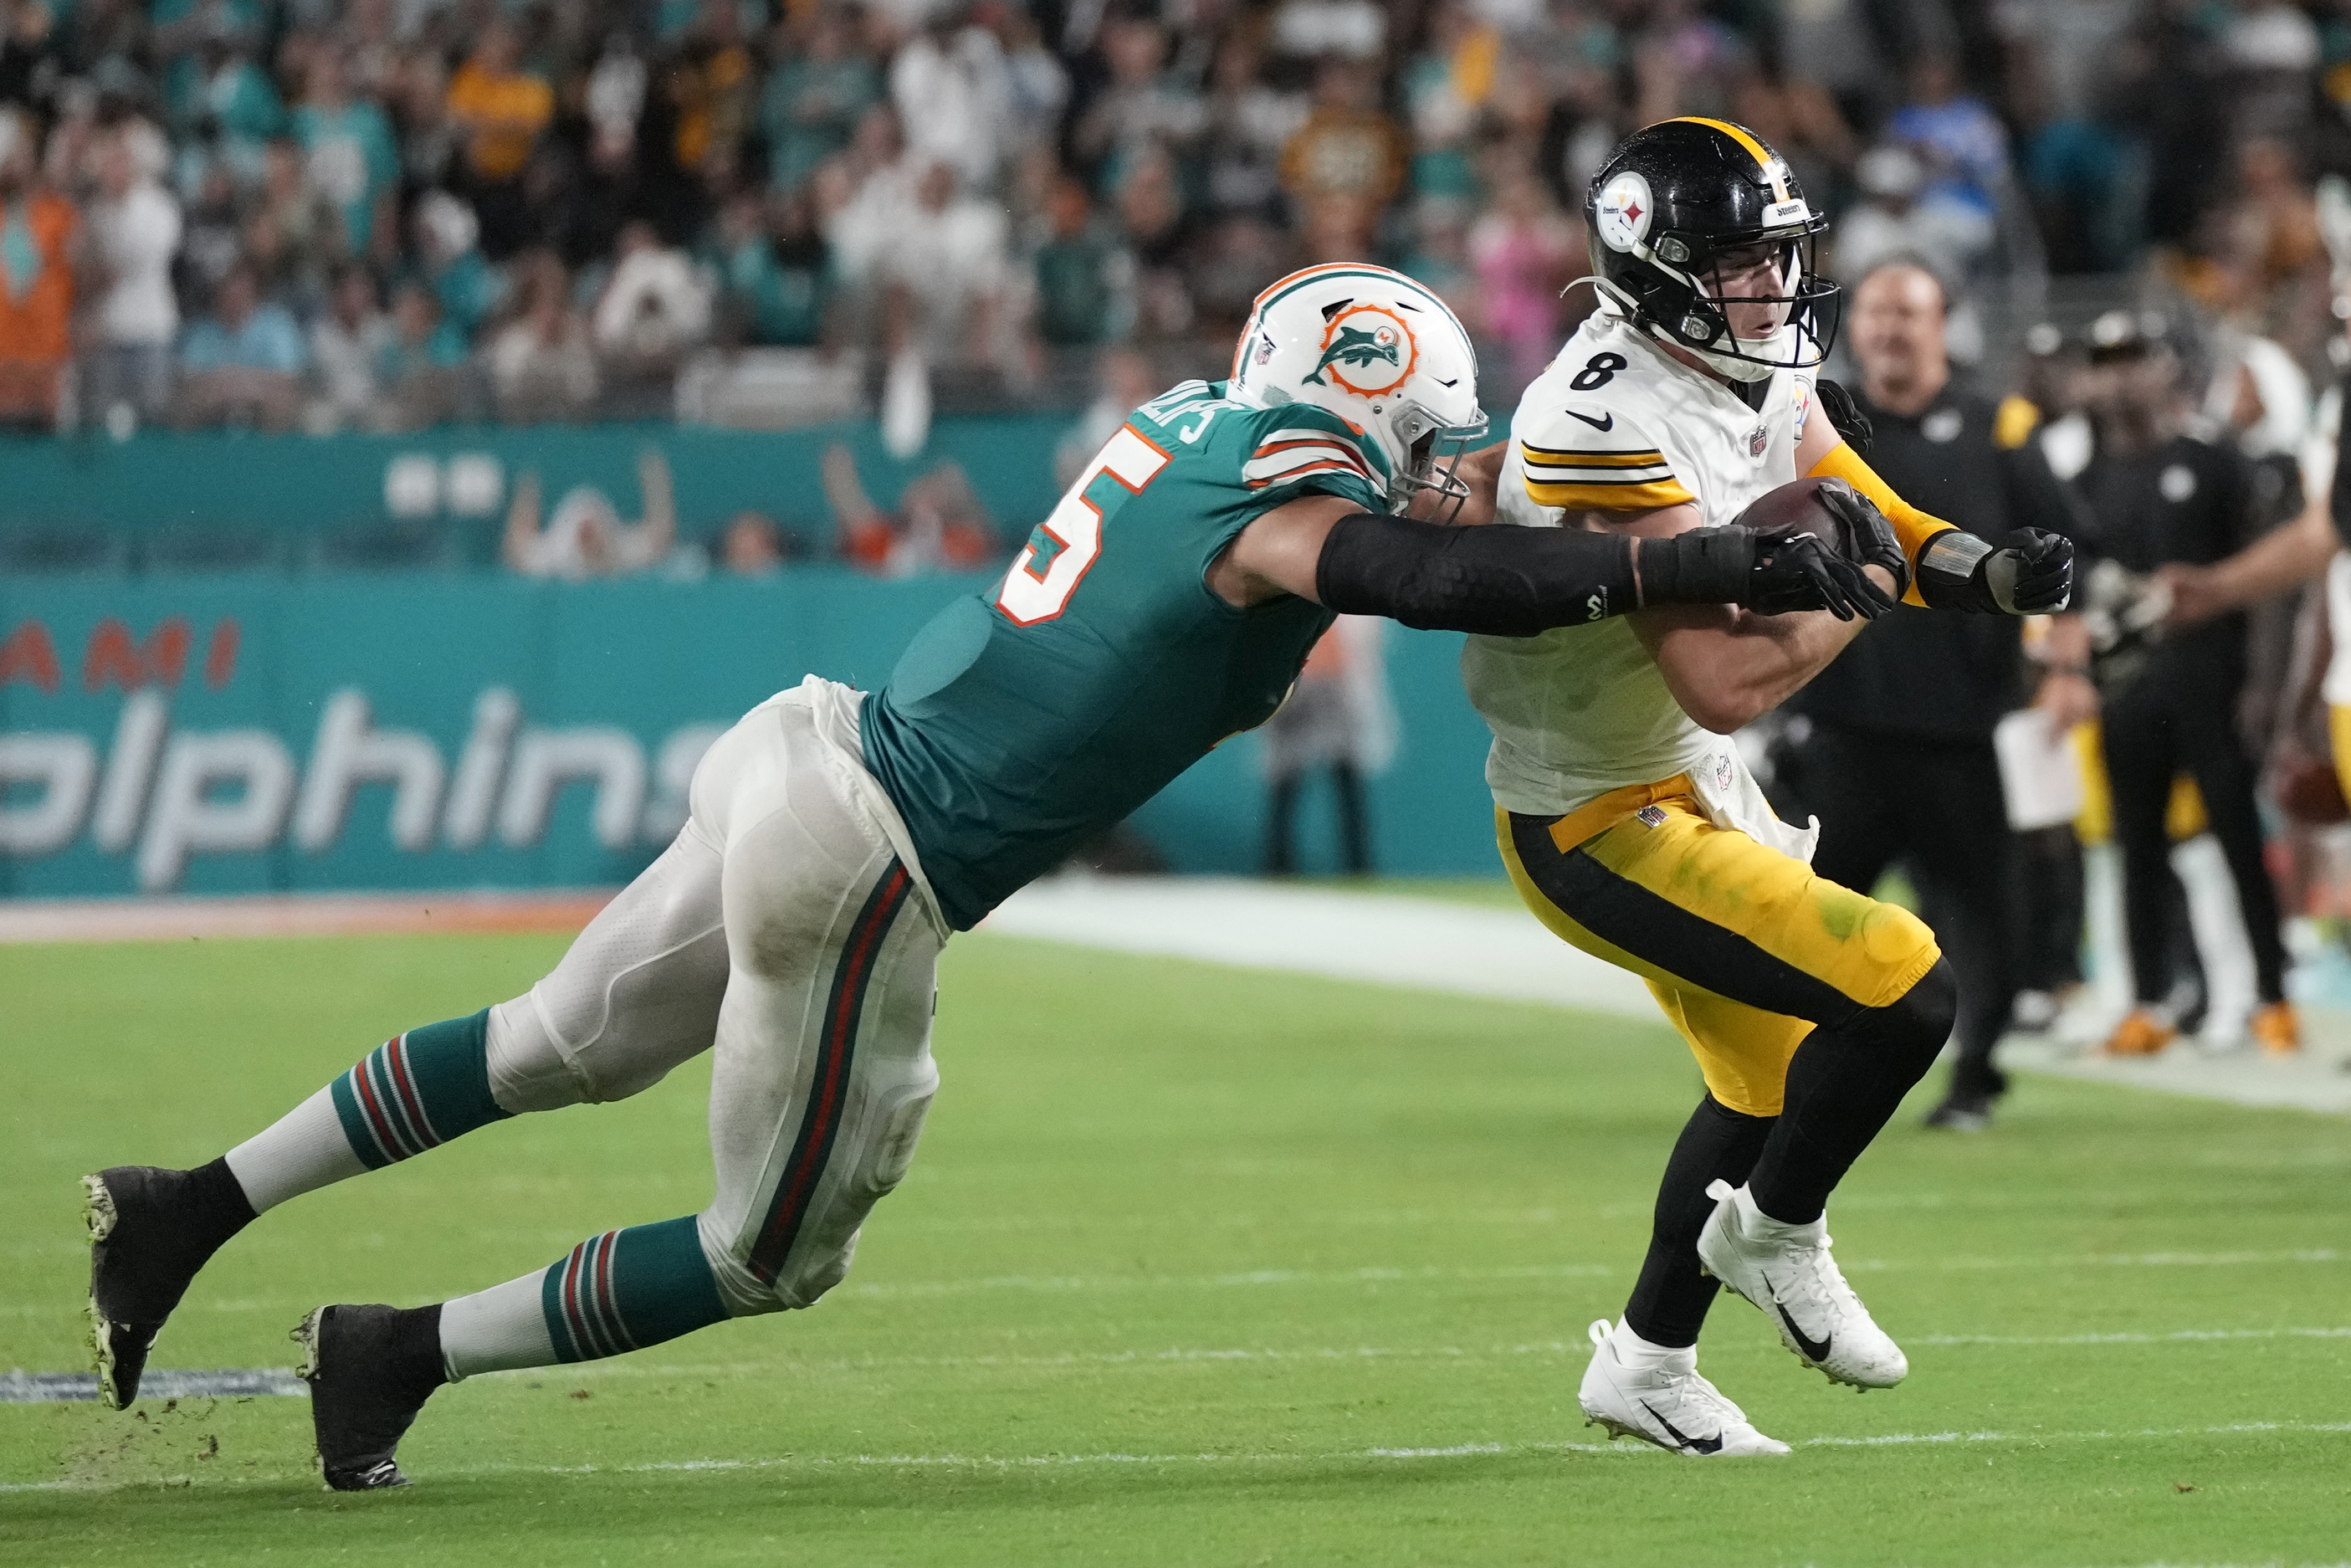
[388, 214]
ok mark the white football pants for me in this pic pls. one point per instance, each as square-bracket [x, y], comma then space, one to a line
[789, 924]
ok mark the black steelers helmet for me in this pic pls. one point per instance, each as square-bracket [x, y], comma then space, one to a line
[1673, 200]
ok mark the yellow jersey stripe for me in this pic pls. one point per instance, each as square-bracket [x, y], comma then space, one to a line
[1568, 458]
[1610, 495]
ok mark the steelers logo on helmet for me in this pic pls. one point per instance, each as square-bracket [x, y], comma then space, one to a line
[1623, 210]
[1366, 348]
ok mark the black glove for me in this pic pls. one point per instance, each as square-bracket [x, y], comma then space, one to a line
[1863, 535]
[2028, 572]
[1797, 571]
[1845, 414]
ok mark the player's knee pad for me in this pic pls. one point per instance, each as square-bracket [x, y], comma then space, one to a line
[532, 1070]
[790, 1253]
[748, 1291]
[528, 1071]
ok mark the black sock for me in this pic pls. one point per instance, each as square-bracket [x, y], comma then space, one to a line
[220, 1208]
[1844, 1084]
[1671, 1299]
[415, 1357]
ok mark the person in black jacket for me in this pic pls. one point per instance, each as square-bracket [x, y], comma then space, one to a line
[1899, 761]
[2158, 498]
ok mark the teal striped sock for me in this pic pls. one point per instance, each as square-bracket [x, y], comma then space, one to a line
[628, 1289]
[417, 1090]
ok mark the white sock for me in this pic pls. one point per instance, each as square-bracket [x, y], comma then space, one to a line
[303, 1150]
[496, 1330]
[1635, 1351]
[1761, 1226]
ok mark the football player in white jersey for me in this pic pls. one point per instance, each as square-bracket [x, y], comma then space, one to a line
[1630, 825]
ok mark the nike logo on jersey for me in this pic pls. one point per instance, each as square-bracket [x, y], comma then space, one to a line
[1813, 1350]
[1695, 1445]
[1605, 424]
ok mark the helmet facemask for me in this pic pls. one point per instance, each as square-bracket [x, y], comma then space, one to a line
[1421, 432]
[1807, 303]
[1691, 306]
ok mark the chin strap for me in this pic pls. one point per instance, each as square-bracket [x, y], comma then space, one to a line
[1912, 526]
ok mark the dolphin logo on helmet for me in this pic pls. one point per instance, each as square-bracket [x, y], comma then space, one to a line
[1365, 349]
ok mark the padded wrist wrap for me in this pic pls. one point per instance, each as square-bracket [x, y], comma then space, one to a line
[1700, 565]
[1502, 579]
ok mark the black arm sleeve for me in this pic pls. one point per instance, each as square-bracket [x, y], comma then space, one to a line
[1512, 581]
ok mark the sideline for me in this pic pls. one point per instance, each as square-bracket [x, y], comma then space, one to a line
[1393, 938]
[559, 912]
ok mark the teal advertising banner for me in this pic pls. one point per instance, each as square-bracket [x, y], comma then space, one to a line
[463, 477]
[273, 732]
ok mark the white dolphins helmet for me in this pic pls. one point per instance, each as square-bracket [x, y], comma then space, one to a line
[1377, 350]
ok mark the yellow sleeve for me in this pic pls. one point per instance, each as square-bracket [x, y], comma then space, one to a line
[1912, 526]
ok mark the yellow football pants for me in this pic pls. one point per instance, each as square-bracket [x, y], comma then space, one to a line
[2338, 732]
[1743, 945]
[2183, 814]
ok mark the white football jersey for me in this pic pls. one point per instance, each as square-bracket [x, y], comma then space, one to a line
[1616, 424]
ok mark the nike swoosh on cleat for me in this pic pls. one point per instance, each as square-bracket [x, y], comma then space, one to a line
[1695, 1445]
[1605, 424]
[1816, 1350]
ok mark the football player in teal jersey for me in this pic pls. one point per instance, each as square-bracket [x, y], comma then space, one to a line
[836, 839]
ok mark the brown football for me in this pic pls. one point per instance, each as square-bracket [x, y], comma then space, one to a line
[1795, 507]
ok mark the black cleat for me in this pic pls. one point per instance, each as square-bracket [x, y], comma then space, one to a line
[370, 1369]
[1962, 1114]
[149, 1232]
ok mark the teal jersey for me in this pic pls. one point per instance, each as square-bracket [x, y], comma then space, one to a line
[1025, 719]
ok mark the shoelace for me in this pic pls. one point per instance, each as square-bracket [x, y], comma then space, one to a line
[1828, 1279]
[1686, 1391]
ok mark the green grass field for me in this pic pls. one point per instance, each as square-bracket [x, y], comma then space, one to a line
[1196, 1266]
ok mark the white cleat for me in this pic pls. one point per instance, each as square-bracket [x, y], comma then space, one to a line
[1666, 1403]
[1787, 1272]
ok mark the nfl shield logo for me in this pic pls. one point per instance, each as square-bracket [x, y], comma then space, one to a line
[1757, 442]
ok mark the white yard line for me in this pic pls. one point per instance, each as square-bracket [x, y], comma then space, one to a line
[1504, 954]
[1007, 1462]
[21, 1387]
